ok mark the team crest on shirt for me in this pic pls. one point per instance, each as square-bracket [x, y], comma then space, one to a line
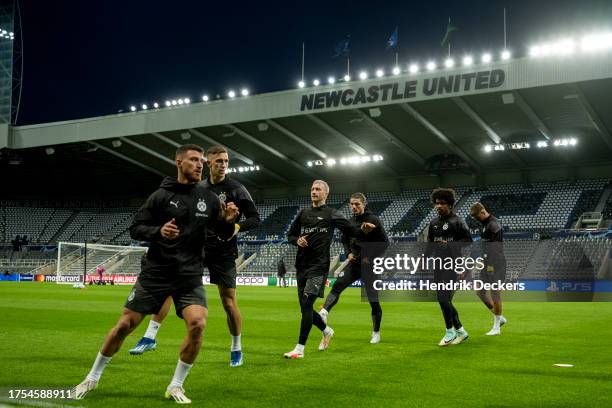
[201, 206]
[222, 197]
[445, 226]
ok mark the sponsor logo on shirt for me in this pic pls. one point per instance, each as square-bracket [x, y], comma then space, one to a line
[309, 230]
[201, 207]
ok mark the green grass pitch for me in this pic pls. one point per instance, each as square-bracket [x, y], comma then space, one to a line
[50, 334]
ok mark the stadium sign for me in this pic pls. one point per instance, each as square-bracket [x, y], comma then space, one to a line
[114, 279]
[404, 90]
[293, 282]
[243, 280]
[63, 278]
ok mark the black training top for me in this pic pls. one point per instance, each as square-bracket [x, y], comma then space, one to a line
[196, 210]
[492, 237]
[353, 245]
[451, 229]
[317, 225]
[492, 230]
[230, 190]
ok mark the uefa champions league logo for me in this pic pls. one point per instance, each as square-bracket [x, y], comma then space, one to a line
[201, 206]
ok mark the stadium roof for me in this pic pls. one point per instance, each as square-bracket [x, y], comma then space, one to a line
[419, 123]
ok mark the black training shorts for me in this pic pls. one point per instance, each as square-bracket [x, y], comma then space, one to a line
[148, 297]
[222, 270]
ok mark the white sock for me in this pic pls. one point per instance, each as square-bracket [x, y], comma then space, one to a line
[328, 330]
[460, 330]
[236, 345]
[324, 311]
[151, 332]
[98, 367]
[299, 347]
[375, 333]
[182, 369]
[496, 321]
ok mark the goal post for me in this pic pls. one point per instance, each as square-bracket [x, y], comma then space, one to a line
[79, 262]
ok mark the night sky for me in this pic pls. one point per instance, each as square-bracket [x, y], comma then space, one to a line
[91, 58]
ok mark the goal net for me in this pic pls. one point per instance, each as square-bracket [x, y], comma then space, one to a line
[86, 263]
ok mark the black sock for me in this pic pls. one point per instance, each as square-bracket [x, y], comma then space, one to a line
[331, 301]
[376, 315]
[447, 312]
[307, 317]
[456, 323]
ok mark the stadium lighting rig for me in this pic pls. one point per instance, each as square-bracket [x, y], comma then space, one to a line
[9, 35]
[591, 43]
[187, 101]
[243, 169]
[345, 161]
[541, 144]
[569, 46]
[413, 68]
[598, 42]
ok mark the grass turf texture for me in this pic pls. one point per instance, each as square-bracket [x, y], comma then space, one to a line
[50, 334]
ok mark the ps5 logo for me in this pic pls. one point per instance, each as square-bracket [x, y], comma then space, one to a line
[560, 286]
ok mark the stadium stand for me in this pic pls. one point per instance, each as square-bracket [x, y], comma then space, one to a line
[607, 211]
[553, 212]
[412, 219]
[541, 208]
[276, 224]
[586, 202]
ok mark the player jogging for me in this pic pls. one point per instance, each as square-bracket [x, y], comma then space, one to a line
[491, 237]
[312, 231]
[219, 255]
[357, 266]
[174, 219]
[445, 233]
